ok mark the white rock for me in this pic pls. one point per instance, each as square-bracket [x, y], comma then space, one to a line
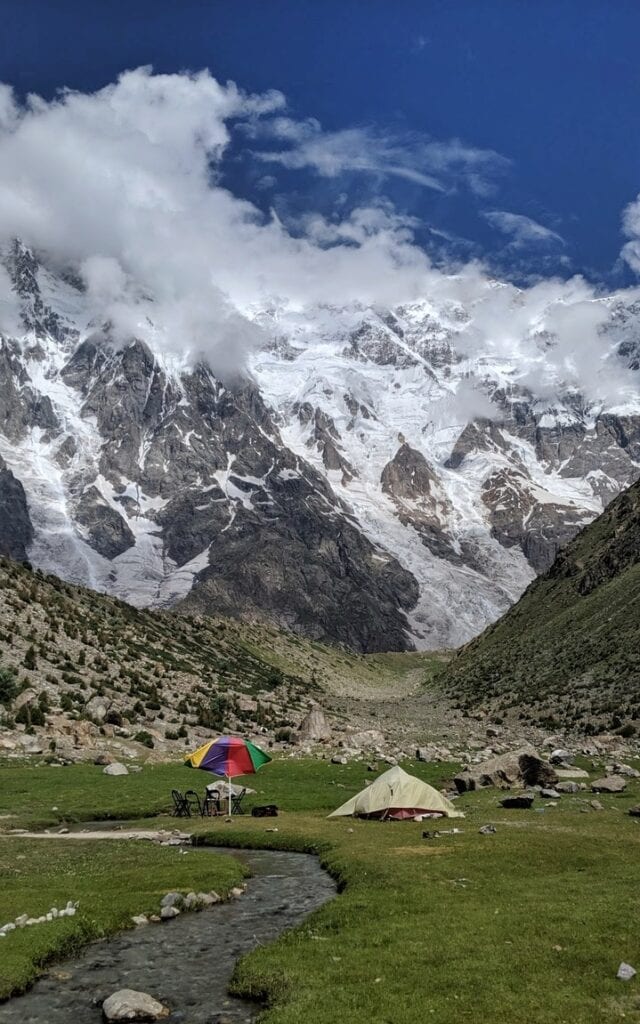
[140, 919]
[625, 972]
[168, 913]
[127, 1004]
[115, 769]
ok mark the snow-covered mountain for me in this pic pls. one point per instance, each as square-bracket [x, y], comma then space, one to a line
[383, 477]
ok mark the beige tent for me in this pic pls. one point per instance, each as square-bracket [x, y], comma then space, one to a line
[397, 795]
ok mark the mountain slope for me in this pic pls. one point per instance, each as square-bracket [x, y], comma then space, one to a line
[569, 651]
[83, 671]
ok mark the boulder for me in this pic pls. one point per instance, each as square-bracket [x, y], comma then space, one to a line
[559, 755]
[127, 1004]
[103, 759]
[367, 739]
[97, 707]
[115, 769]
[423, 754]
[626, 770]
[314, 727]
[610, 784]
[635, 811]
[550, 794]
[168, 913]
[568, 787]
[518, 767]
[172, 899]
[522, 802]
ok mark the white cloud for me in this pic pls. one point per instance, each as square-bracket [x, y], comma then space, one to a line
[441, 166]
[523, 230]
[631, 229]
[125, 184]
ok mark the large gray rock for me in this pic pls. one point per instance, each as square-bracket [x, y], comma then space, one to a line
[97, 707]
[127, 1004]
[115, 769]
[314, 727]
[610, 784]
[522, 767]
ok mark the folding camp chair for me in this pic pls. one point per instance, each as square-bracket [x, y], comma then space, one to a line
[180, 805]
[193, 803]
[236, 802]
[210, 803]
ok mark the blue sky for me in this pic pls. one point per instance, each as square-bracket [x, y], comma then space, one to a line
[505, 130]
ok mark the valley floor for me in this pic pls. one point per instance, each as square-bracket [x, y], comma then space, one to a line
[525, 925]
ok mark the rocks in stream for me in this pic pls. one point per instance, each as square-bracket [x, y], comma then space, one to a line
[173, 903]
[127, 1004]
[168, 913]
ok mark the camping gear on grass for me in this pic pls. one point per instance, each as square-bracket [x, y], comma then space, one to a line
[396, 795]
[228, 756]
[266, 811]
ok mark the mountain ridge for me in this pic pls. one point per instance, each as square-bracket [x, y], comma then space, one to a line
[568, 652]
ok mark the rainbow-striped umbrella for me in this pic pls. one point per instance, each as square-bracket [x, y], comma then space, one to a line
[229, 756]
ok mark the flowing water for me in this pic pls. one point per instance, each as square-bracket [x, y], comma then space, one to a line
[185, 963]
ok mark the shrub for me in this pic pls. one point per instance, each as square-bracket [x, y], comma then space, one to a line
[30, 715]
[145, 738]
[9, 686]
[627, 731]
[30, 661]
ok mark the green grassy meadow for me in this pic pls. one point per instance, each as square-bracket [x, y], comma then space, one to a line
[526, 926]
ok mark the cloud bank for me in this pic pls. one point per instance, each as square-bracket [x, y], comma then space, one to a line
[127, 185]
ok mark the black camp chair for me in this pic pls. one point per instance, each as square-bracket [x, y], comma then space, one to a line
[180, 805]
[193, 803]
[236, 802]
[210, 803]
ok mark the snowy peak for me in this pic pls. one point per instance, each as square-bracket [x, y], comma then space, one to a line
[383, 477]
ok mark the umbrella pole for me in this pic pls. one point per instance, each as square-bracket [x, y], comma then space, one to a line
[229, 792]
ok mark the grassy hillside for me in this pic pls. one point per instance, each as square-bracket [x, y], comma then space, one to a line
[568, 653]
[161, 675]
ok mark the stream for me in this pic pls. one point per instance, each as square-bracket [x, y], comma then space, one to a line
[185, 963]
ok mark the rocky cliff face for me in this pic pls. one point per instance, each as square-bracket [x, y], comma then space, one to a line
[344, 487]
[16, 531]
